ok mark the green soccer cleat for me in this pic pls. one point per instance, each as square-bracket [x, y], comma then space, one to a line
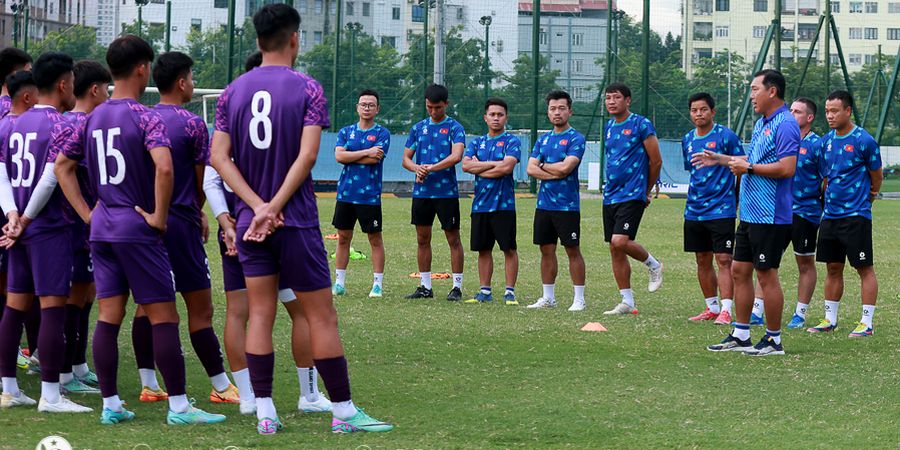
[77, 387]
[89, 379]
[376, 291]
[193, 416]
[110, 417]
[359, 422]
[338, 289]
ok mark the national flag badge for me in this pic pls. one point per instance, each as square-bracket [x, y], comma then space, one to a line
[768, 131]
[848, 148]
[371, 137]
[711, 144]
[500, 144]
[802, 150]
[627, 132]
[445, 131]
[564, 142]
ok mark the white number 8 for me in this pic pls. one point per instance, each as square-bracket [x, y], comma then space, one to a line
[261, 106]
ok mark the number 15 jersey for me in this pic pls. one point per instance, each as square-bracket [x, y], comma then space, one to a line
[264, 111]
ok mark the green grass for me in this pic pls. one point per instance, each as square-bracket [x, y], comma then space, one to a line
[490, 376]
[891, 185]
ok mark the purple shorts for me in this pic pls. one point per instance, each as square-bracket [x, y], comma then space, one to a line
[43, 266]
[142, 268]
[184, 244]
[232, 272]
[83, 267]
[298, 254]
[4, 261]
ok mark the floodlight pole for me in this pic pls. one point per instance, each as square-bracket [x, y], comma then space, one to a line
[169, 26]
[536, 61]
[486, 69]
[827, 47]
[25, 37]
[645, 61]
[229, 74]
[778, 31]
[336, 63]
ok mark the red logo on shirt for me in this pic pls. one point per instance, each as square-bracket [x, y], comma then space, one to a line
[500, 144]
[768, 131]
[564, 142]
[445, 131]
[627, 132]
[371, 137]
[848, 148]
[802, 150]
[711, 144]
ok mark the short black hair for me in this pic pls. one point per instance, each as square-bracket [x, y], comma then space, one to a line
[559, 94]
[275, 23]
[169, 67]
[11, 60]
[436, 93]
[369, 92]
[87, 74]
[810, 105]
[126, 53]
[18, 81]
[621, 88]
[702, 96]
[49, 68]
[772, 77]
[253, 61]
[495, 101]
[845, 97]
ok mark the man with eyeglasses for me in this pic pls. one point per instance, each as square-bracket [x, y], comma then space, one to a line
[361, 148]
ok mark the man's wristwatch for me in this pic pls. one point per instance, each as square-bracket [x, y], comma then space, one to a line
[750, 169]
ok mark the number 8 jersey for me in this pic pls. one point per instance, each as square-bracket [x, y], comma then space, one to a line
[115, 141]
[264, 112]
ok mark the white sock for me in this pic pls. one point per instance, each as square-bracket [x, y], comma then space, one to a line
[10, 385]
[113, 403]
[579, 292]
[242, 381]
[66, 377]
[426, 279]
[148, 378]
[550, 291]
[379, 279]
[265, 408]
[220, 382]
[775, 335]
[627, 297]
[339, 276]
[457, 280]
[651, 262]
[868, 314]
[713, 304]
[801, 309]
[179, 403]
[50, 392]
[759, 306]
[81, 369]
[727, 304]
[309, 383]
[343, 410]
[741, 333]
[831, 311]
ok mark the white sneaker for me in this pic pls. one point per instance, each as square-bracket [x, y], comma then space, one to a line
[621, 309]
[322, 404]
[248, 406]
[10, 400]
[64, 405]
[543, 303]
[577, 305]
[656, 278]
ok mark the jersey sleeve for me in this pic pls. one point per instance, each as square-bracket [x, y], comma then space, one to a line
[384, 140]
[733, 144]
[413, 140]
[458, 134]
[787, 139]
[472, 148]
[536, 150]
[576, 146]
[316, 106]
[341, 138]
[684, 152]
[222, 110]
[155, 132]
[871, 153]
[514, 148]
[646, 129]
[200, 140]
[60, 135]
[74, 147]
[821, 160]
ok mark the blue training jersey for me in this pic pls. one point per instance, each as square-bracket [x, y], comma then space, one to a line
[562, 194]
[494, 194]
[711, 191]
[767, 200]
[361, 183]
[848, 160]
[627, 164]
[432, 143]
[808, 178]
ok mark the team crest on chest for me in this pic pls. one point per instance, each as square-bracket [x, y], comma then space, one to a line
[370, 137]
[848, 148]
[711, 144]
[627, 132]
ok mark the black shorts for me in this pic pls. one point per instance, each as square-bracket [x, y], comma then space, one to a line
[761, 243]
[446, 209]
[490, 227]
[347, 214]
[803, 236]
[850, 237]
[552, 225]
[715, 236]
[622, 218]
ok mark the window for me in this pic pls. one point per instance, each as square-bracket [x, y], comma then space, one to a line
[350, 8]
[759, 32]
[836, 7]
[577, 65]
[333, 8]
[395, 13]
[856, 7]
[367, 9]
[787, 32]
[893, 34]
[856, 33]
[703, 31]
[894, 7]
[390, 41]
[871, 59]
[303, 6]
[722, 31]
[872, 7]
[460, 14]
[418, 13]
[317, 37]
[835, 59]
[806, 31]
[700, 54]
[542, 37]
[196, 25]
[320, 7]
[703, 7]
[577, 92]
[722, 5]
[302, 38]
[760, 5]
[871, 33]
[219, 4]
[577, 39]
[855, 59]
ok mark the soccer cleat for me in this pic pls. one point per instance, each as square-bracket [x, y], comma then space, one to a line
[34, 365]
[823, 327]
[577, 305]
[110, 417]
[248, 407]
[77, 387]
[64, 405]
[359, 422]
[724, 318]
[338, 289]
[193, 416]
[89, 379]
[796, 322]
[509, 299]
[480, 297]
[543, 303]
[267, 426]
[10, 401]
[656, 278]
[731, 344]
[454, 295]
[862, 330]
[376, 291]
[22, 360]
[766, 347]
[421, 292]
[705, 315]
[622, 309]
[229, 395]
[149, 395]
[322, 404]
[756, 321]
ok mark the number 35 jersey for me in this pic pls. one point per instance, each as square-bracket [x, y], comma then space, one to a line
[115, 141]
[264, 112]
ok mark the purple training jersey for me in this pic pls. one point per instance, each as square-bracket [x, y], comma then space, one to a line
[80, 232]
[264, 111]
[5, 105]
[36, 138]
[6, 124]
[116, 142]
[189, 138]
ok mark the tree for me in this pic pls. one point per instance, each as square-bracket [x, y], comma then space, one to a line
[209, 49]
[712, 77]
[154, 33]
[519, 86]
[80, 42]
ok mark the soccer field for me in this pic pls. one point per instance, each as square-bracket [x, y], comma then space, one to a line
[451, 375]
